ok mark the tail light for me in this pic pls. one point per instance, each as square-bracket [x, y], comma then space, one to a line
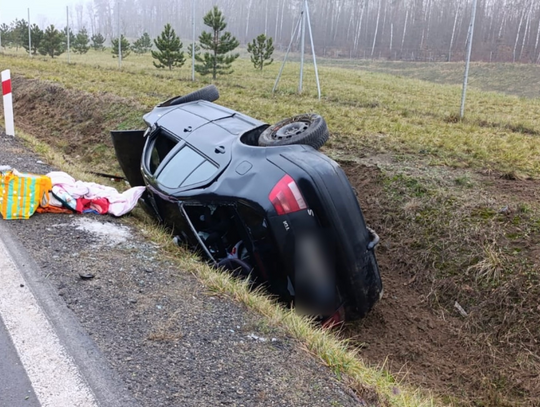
[286, 197]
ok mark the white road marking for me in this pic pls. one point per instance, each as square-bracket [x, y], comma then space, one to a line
[54, 377]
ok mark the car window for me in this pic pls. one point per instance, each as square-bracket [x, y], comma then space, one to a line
[200, 174]
[162, 146]
[180, 167]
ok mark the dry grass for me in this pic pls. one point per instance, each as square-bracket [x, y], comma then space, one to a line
[363, 109]
[491, 267]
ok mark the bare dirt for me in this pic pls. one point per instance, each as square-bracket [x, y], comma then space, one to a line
[75, 123]
[432, 345]
[489, 358]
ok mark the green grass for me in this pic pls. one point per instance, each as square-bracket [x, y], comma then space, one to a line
[512, 79]
[364, 110]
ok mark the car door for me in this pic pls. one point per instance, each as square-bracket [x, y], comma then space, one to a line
[171, 165]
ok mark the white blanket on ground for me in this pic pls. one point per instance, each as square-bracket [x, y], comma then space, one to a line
[119, 203]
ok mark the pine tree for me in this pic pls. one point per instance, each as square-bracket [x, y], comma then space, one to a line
[52, 43]
[197, 50]
[261, 50]
[142, 45]
[20, 33]
[35, 35]
[5, 32]
[169, 53]
[216, 61]
[124, 45]
[80, 43]
[97, 42]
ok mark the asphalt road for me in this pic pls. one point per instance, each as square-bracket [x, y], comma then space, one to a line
[46, 358]
[15, 386]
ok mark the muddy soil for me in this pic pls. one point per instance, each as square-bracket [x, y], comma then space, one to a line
[433, 346]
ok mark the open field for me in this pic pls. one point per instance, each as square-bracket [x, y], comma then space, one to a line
[495, 77]
[455, 202]
[365, 110]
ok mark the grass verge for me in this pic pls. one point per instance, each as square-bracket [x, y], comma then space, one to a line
[364, 110]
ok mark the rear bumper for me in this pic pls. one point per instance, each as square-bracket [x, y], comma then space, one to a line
[330, 195]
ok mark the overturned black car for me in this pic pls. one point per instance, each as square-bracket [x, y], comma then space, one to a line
[257, 200]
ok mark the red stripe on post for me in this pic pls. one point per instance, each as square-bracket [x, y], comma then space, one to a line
[6, 87]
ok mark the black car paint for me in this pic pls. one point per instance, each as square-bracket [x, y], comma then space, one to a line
[244, 179]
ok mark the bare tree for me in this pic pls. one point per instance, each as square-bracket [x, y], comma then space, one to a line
[537, 37]
[359, 26]
[506, 30]
[517, 36]
[376, 28]
[404, 29]
[453, 32]
[79, 12]
[526, 31]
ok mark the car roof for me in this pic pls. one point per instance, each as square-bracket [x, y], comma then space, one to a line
[207, 128]
[188, 117]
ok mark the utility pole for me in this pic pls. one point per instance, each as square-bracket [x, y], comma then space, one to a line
[313, 52]
[119, 35]
[67, 33]
[29, 36]
[193, 41]
[302, 46]
[468, 61]
[300, 29]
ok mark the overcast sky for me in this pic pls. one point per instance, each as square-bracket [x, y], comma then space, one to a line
[42, 12]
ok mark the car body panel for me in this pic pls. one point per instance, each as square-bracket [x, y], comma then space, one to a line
[318, 256]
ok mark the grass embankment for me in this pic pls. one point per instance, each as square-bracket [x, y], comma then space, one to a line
[512, 79]
[453, 226]
[363, 110]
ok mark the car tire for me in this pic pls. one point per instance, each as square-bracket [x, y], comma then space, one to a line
[209, 93]
[308, 129]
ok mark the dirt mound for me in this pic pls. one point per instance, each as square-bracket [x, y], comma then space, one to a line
[481, 359]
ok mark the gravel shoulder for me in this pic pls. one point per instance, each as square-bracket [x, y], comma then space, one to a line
[170, 341]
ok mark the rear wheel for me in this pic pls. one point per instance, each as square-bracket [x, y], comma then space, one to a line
[307, 129]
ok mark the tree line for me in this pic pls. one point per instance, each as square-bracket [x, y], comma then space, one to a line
[50, 41]
[505, 30]
[218, 45]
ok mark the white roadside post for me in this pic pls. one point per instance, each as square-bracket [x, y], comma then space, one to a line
[8, 102]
